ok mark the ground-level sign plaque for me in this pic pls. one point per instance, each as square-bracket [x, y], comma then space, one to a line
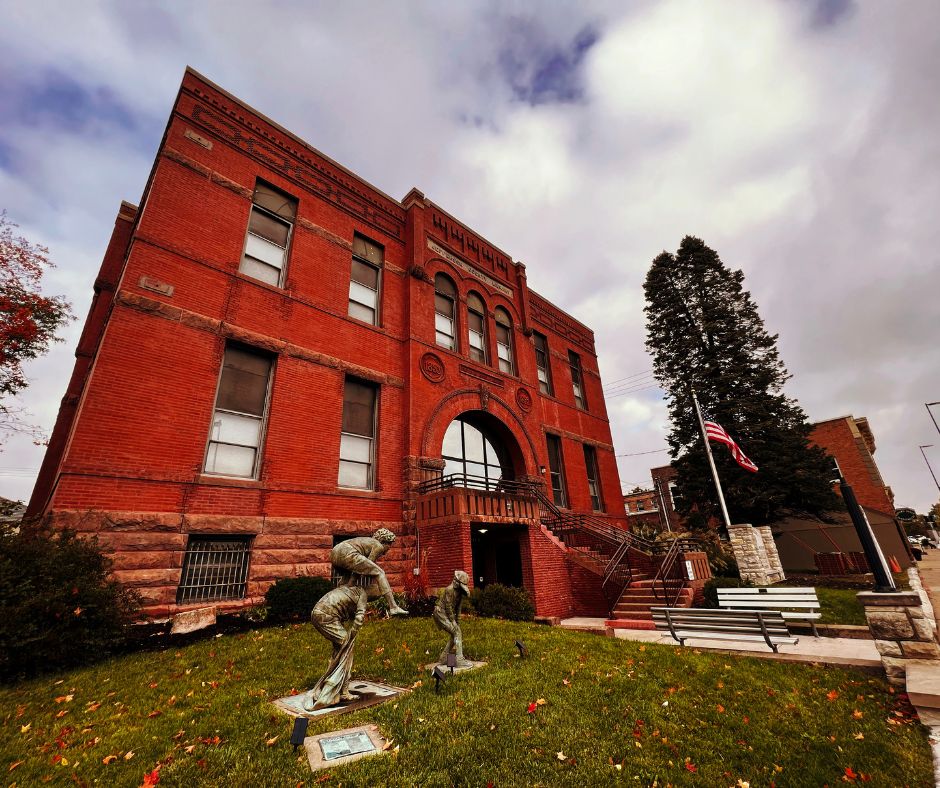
[339, 747]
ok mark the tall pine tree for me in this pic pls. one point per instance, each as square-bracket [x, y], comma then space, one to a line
[704, 331]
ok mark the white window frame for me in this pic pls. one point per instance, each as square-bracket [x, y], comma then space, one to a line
[352, 437]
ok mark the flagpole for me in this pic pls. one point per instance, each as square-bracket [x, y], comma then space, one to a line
[711, 460]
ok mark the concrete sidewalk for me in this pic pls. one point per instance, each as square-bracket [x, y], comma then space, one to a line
[847, 652]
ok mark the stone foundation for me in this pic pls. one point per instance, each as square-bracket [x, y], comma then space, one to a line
[901, 630]
[756, 553]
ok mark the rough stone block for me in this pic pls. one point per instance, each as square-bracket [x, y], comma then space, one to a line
[916, 649]
[193, 620]
[888, 648]
[924, 629]
[221, 524]
[889, 625]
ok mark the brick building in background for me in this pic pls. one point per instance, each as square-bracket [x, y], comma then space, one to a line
[279, 356]
[851, 442]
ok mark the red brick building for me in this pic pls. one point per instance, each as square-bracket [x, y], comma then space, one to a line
[279, 356]
[642, 508]
[851, 442]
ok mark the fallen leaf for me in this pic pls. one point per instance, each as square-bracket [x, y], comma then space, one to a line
[25, 728]
[532, 708]
[152, 778]
[858, 714]
[189, 748]
[154, 684]
[832, 695]
[154, 713]
[560, 755]
[859, 736]
[14, 765]
[77, 611]
[691, 767]
[721, 709]
[62, 713]
[417, 684]
[270, 742]
[566, 682]
[178, 735]
[380, 650]
[93, 706]
[128, 755]
[541, 702]
[388, 745]
[64, 698]
[109, 759]
[849, 775]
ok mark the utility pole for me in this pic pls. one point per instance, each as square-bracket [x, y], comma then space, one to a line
[930, 412]
[924, 454]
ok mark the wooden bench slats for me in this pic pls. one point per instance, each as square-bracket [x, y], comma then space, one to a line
[789, 640]
[724, 624]
[795, 602]
[768, 590]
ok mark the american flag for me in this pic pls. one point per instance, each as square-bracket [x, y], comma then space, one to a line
[717, 433]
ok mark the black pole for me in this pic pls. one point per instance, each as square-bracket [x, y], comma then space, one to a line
[884, 581]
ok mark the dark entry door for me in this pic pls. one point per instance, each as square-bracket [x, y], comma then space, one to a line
[496, 555]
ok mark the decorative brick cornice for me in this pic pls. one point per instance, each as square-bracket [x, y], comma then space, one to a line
[195, 320]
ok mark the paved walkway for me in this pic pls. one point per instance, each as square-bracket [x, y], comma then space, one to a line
[833, 651]
[929, 569]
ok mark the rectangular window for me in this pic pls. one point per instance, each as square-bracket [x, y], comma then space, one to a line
[556, 469]
[364, 280]
[504, 348]
[542, 364]
[240, 410]
[269, 230]
[594, 479]
[577, 379]
[357, 441]
[214, 568]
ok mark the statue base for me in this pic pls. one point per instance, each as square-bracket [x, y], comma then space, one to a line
[472, 666]
[367, 693]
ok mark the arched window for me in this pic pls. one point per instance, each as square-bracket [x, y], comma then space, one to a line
[445, 296]
[504, 341]
[468, 450]
[476, 327]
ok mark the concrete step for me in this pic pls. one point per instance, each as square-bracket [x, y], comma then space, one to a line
[923, 683]
[621, 623]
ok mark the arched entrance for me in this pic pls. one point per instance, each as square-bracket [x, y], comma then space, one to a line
[480, 452]
[477, 445]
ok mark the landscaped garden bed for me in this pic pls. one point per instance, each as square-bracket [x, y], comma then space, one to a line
[580, 709]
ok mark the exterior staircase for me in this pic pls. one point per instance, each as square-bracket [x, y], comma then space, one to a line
[632, 610]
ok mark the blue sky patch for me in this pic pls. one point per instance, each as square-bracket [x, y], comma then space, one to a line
[542, 72]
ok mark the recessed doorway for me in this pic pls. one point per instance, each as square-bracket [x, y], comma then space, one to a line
[497, 557]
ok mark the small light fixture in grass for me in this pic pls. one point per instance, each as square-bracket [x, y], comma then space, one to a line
[439, 676]
[299, 733]
[523, 651]
[451, 661]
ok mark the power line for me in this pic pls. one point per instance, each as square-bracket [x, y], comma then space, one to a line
[632, 391]
[639, 453]
[622, 386]
[628, 377]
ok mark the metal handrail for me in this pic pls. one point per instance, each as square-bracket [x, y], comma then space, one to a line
[466, 481]
[666, 576]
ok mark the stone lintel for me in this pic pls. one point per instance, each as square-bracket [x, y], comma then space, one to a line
[889, 598]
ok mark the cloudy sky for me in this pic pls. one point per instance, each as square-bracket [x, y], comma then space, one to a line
[799, 138]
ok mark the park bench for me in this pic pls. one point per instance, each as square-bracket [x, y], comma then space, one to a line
[717, 624]
[794, 603]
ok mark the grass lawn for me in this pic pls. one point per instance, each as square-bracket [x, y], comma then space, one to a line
[840, 606]
[613, 712]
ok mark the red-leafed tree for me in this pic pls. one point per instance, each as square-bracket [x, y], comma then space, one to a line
[28, 319]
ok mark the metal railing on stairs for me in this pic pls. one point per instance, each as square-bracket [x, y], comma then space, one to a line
[600, 544]
[670, 578]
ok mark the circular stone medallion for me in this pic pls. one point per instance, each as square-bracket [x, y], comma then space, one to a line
[432, 367]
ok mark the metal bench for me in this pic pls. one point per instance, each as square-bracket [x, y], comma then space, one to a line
[794, 603]
[717, 624]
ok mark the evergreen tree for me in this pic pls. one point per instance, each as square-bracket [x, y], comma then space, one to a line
[704, 331]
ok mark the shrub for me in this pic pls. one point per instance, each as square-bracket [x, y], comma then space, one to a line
[292, 598]
[710, 591]
[499, 601]
[59, 604]
[419, 599]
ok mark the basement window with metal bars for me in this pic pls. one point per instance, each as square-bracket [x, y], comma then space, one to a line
[214, 568]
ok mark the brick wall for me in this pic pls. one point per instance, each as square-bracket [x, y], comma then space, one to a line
[851, 443]
[132, 431]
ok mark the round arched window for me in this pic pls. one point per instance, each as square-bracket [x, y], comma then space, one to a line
[445, 296]
[476, 327]
[504, 340]
[473, 452]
